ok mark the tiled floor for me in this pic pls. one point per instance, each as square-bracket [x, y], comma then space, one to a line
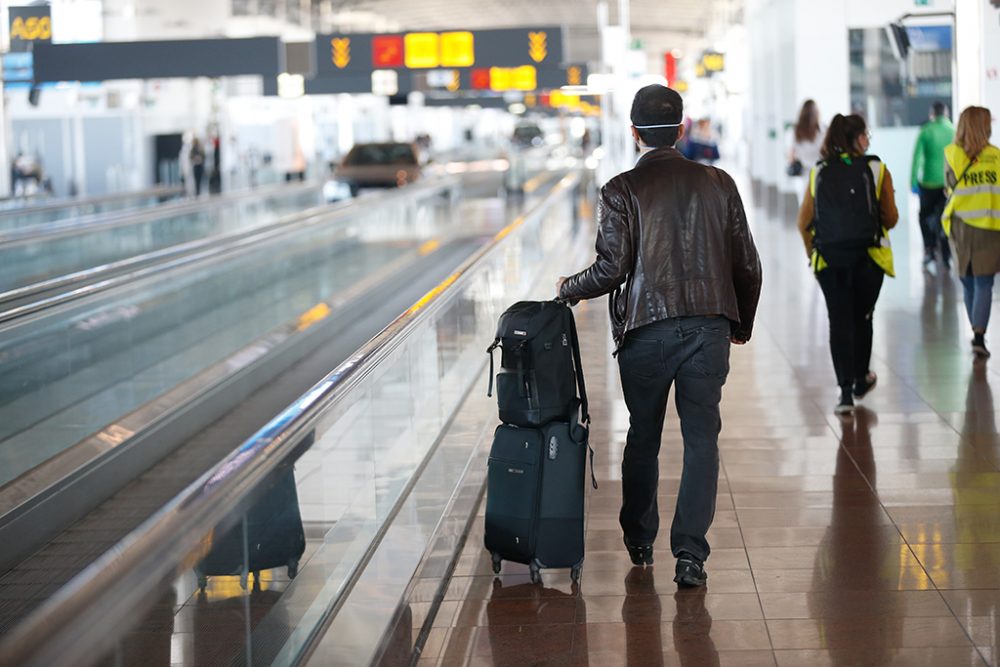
[865, 541]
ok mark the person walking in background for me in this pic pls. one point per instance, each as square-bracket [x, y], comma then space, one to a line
[844, 221]
[675, 252]
[972, 216]
[927, 180]
[806, 145]
[703, 145]
[197, 164]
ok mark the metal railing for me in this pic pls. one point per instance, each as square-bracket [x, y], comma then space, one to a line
[180, 289]
[41, 252]
[382, 412]
[119, 218]
[21, 301]
[39, 206]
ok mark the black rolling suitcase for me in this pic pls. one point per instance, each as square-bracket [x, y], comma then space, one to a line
[271, 535]
[536, 477]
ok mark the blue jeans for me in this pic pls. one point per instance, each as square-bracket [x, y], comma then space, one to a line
[693, 353]
[978, 299]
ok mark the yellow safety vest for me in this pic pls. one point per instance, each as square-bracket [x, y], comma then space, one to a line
[880, 254]
[976, 197]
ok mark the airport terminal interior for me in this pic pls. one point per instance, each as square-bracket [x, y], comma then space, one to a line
[256, 255]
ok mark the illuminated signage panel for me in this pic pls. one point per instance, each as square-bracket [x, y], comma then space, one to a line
[28, 26]
[387, 51]
[422, 50]
[457, 49]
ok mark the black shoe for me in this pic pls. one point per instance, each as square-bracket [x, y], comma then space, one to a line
[641, 554]
[846, 404]
[928, 257]
[865, 385]
[979, 346]
[690, 571]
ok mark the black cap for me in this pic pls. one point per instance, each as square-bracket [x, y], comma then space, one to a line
[657, 105]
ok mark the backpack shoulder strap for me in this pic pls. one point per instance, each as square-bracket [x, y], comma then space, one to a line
[814, 176]
[877, 169]
[582, 387]
[578, 367]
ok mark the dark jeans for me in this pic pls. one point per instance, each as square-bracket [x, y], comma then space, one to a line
[978, 292]
[850, 302]
[932, 201]
[692, 352]
[199, 174]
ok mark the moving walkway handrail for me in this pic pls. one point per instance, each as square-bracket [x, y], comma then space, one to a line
[75, 621]
[112, 219]
[55, 204]
[108, 276]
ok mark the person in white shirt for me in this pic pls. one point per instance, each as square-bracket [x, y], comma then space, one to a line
[808, 139]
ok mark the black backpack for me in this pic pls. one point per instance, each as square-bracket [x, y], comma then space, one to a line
[540, 365]
[846, 218]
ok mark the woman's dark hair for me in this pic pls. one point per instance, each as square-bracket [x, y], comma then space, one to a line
[657, 105]
[808, 126]
[842, 137]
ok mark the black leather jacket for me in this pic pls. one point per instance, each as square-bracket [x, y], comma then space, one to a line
[672, 241]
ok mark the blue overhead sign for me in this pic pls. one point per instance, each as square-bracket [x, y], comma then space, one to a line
[930, 38]
[17, 68]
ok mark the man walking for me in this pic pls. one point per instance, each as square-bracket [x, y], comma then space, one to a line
[927, 180]
[676, 254]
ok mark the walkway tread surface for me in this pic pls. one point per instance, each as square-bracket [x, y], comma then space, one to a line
[30, 583]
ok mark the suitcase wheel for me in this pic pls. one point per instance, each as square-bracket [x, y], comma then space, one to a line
[293, 568]
[536, 573]
[574, 574]
[496, 562]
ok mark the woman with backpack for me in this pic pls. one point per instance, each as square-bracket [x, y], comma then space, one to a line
[845, 220]
[972, 216]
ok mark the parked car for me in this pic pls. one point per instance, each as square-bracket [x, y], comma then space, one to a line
[378, 165]
[527, 135]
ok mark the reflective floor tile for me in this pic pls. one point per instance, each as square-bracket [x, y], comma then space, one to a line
[864, 635]
[839, 604]
[897, 657]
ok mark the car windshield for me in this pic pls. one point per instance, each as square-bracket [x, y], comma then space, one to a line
[527, 132]
[373, 154]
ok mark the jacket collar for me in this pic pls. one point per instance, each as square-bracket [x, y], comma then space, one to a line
[658, 153]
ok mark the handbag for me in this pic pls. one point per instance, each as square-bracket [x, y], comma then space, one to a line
[794, 168]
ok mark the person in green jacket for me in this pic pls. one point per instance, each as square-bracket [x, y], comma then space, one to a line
[927, 180]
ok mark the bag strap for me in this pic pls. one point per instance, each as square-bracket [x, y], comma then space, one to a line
[581, 387]
[593, 477]
[489, 351]
[578, 366]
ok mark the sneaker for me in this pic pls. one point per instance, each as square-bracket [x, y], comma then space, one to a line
[846, 404]
[862, 387]
[928, 257]
[641, 554]
[979, 346]
[690, 571]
